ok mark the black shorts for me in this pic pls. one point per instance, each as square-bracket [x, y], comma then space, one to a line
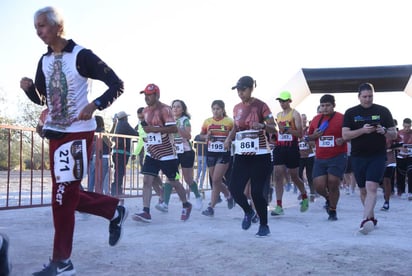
[288, 156]
[214, 159]
[152, 166]
[186, 159]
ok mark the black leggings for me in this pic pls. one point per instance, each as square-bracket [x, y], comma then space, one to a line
[257, 168]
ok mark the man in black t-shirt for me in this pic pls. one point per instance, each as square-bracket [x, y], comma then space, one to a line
[368, 125]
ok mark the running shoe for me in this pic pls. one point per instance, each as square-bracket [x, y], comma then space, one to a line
[143, 216]
[278, 211]
[186, 212]
[367, 226]
[312, 197]
[115, 226]
[230, 202]
[247, 220]
[162, 207]
[209, 212]
[304, 205]
[263, 231]
[255, 218]
[57, 268]
[385, 206]
[332, 215]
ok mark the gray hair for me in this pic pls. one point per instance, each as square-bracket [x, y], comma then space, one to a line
[54, 17]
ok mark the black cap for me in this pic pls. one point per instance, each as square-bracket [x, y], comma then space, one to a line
[244, 82]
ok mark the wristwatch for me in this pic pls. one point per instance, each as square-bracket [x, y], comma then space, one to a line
[98, 104]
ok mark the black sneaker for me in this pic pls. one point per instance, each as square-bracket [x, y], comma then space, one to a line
[247, 220]
[332, 215]
[4, 255]
[263, 231]
[115, 227]
[56, 269]
[209, 212]
[230, 202]
[385, 206]
[255, 218]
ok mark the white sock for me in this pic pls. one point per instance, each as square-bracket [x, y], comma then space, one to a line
[116, 214]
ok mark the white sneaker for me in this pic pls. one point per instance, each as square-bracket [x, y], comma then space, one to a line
[199, 203]
[162, 207]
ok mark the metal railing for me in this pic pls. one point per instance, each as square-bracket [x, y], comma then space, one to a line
[25, 179]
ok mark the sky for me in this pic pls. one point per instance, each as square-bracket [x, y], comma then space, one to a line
[197, 50]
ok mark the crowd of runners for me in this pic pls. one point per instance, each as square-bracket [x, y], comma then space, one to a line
[245, 149]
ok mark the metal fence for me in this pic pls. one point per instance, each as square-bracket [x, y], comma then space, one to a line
[25, 179]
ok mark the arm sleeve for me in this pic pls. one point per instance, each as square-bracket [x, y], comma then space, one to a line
[91, 66]
[37, 92]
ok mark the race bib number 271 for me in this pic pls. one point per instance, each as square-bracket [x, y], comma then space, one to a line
[70, 161]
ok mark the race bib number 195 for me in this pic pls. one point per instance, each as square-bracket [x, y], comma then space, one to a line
[70, 161]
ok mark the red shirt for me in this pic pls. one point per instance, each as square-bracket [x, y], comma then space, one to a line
[326, 146]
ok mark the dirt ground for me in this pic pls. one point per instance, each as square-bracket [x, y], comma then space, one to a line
[300, 244]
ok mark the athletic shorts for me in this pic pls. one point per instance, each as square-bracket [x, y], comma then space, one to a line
[288, 156]
[218, 159]
[368, 168]
[333, 166]
[186, 159]
[170, 168]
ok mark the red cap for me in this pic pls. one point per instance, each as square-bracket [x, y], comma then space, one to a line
[151, 89]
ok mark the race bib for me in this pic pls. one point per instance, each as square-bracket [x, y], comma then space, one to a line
[216, 144]
[285, 137]
[70, 161]
[179, 145]
[154, 138]
[247, 141]
[326, 141]
[303, 146]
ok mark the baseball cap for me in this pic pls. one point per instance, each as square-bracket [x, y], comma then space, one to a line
[121, 115]
[284, 96]
[151, 89]
[244, 82]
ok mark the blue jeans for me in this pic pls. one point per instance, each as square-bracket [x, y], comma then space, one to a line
[105, 174]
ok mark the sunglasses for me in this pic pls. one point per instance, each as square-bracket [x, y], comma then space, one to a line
[283, 101]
